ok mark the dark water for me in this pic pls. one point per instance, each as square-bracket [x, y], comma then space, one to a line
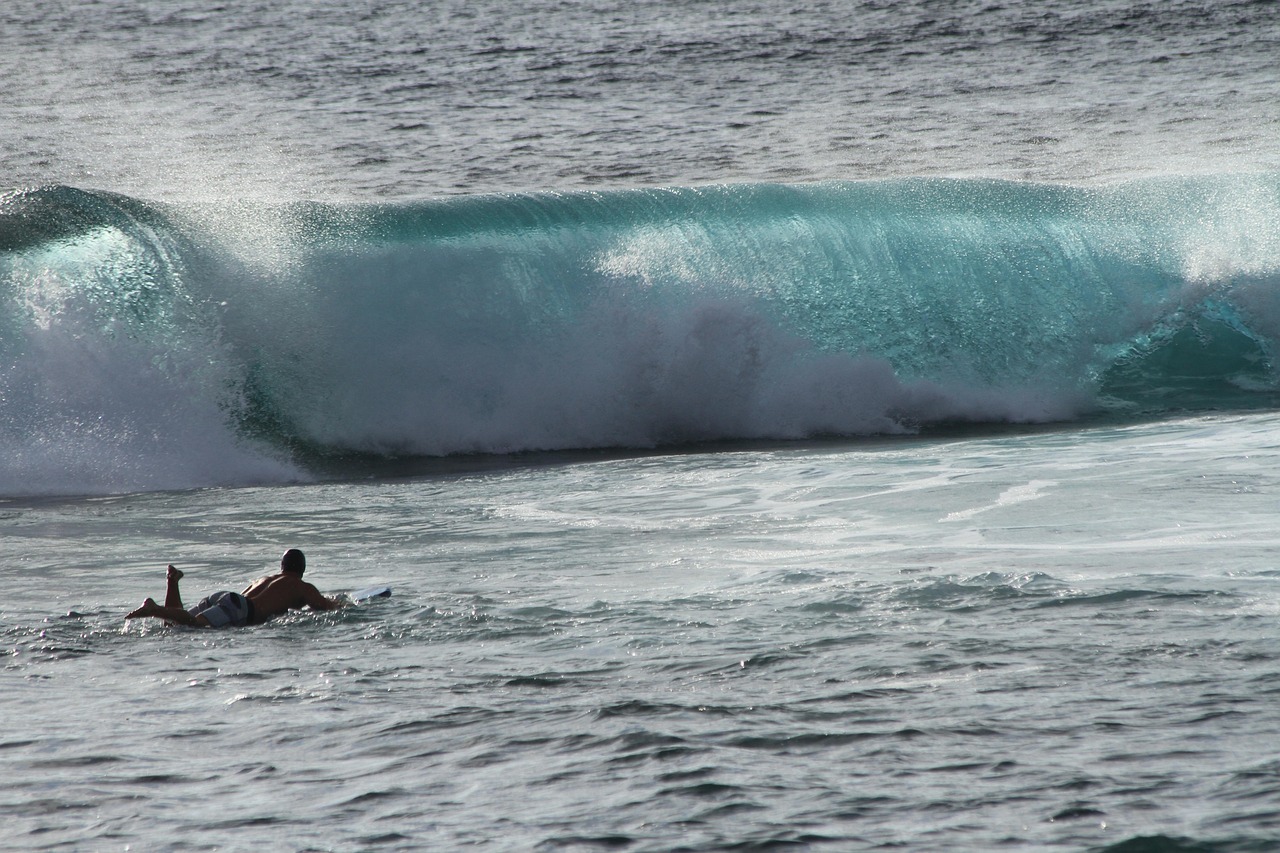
[393, 99]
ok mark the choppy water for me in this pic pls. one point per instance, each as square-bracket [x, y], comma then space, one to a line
[1058, 640]
[398, 99]
[257, 260]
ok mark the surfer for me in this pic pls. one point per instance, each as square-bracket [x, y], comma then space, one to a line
[261, 600]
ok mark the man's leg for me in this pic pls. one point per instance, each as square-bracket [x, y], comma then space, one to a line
[169, 614]
[172, 597]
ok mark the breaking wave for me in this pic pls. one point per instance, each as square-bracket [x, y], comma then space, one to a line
[147, 346]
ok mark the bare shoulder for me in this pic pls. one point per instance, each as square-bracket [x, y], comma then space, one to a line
[259, 584]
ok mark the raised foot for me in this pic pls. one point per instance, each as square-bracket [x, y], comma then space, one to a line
[174, 573]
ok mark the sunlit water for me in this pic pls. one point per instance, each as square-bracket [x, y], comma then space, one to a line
[1051, 640]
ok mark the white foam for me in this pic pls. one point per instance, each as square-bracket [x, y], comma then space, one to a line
[98, 401]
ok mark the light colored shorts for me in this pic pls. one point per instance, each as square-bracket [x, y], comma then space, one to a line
[225, 608]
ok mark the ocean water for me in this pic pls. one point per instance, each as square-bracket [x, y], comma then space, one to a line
[842, 426]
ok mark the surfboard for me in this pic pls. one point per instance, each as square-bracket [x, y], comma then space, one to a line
[371, 592]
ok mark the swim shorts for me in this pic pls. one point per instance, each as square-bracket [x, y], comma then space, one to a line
[225, 608]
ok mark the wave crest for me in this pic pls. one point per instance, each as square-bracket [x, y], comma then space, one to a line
[150, 346]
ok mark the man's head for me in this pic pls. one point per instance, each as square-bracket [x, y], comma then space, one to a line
[293, 562]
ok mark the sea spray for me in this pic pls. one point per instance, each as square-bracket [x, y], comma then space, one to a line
[113, 375]
[631, 318]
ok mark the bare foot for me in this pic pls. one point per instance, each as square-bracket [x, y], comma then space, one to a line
[148, 608]
[174, 574]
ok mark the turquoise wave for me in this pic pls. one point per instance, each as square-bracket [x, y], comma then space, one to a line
[631, 318]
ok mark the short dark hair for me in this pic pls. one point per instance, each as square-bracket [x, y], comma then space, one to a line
[293, 562]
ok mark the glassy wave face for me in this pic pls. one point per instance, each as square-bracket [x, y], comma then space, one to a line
[147, 346]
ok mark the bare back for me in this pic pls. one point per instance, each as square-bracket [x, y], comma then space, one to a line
[276, 594]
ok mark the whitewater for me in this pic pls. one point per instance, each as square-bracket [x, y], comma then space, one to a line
[839, 426]
[625, 319]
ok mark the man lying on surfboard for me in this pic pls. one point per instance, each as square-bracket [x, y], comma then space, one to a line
[261, 600]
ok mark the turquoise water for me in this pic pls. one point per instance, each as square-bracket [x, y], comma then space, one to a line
[623, 319]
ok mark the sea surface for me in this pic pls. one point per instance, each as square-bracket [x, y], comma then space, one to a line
[824, 426]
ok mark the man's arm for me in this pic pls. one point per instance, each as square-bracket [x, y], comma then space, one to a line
[316, 600]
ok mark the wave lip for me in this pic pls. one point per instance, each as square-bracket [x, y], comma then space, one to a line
[139, 337]
[112, 374]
